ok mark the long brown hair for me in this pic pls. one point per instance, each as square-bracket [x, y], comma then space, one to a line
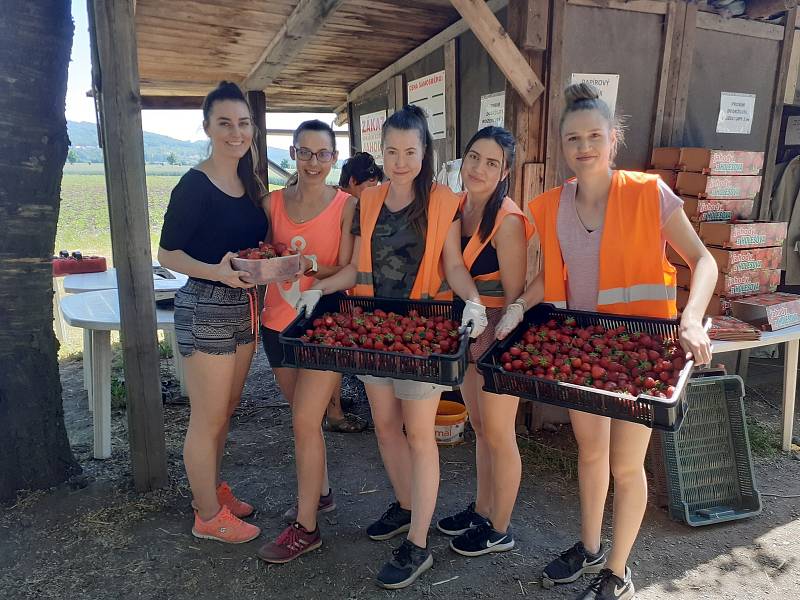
[246, 169]
[413, 118]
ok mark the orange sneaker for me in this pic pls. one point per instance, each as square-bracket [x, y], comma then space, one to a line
[224, 527]
[226, 498]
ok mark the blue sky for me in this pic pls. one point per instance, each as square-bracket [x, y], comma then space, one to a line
[180, 124]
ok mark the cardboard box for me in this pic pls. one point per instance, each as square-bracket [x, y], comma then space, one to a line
[748, 234]
[668, 177]
[721, 162]
[731, 285]
[738, 261]
[770, 312]
[718, 306]
[665, 158]
[718, 186]
[699, 209]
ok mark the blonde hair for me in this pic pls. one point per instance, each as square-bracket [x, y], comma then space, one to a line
[584, 96]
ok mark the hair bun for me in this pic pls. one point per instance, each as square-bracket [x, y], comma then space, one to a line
[578, 92]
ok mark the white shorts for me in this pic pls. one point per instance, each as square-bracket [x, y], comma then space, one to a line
[406, 389]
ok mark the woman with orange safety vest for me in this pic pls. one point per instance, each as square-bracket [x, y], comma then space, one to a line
[494, 234]
[602, 241]
[407, 237]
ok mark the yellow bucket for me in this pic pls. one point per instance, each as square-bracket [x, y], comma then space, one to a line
[451, 417]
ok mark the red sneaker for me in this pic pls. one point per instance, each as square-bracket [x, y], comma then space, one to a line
[326, 505]
[224, 527]
[226, 498]
[293, 542]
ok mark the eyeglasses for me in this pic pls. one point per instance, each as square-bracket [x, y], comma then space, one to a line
[304, 154]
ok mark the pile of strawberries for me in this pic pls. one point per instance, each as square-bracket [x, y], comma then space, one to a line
[615, 360]
[379, 330]
[265, 250]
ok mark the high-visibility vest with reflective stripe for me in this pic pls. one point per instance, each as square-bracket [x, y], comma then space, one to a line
[429, 283]
[490, 286]
[635, 277]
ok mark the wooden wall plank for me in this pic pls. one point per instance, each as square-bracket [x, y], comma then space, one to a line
[658, 7]
[663, 79]
[715, 22]
[451, 78]
[680, 71]
[555, 96]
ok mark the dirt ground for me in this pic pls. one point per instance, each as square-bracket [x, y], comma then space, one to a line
[97, 538]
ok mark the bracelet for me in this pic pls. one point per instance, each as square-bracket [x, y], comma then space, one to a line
[522, 303]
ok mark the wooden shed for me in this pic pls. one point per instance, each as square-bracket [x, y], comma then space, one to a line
[505, 60]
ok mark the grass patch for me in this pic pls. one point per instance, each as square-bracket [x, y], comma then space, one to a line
[764, 440]
[549, 454]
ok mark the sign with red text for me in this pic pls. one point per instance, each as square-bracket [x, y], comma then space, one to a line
[371, 125]
[428, 93]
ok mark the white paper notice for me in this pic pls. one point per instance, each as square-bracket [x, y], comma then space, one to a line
[493, 110]
[735, 112]
[608, 85]
[792, 137]
[428, 93]
[371, 134]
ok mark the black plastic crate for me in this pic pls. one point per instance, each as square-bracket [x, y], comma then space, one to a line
[442, 369]
[659, 413]
[708, 469]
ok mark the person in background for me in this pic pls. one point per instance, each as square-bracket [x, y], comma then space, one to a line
[602, 236]
[214, 211]
[359, 172]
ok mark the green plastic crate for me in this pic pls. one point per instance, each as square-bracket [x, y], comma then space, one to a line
[707, 463]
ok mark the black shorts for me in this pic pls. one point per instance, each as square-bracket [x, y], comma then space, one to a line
[272, 347]
[212, 318]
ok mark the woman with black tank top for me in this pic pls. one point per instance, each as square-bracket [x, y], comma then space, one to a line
[214, 211]
[494, 234]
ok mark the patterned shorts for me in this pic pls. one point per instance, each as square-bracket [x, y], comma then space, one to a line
[212, 318]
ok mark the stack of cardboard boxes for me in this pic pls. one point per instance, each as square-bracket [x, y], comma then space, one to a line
[718, 188]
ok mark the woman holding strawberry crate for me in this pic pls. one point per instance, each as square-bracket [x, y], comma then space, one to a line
[214, 211]
[494, 234]
[313, 218]
[603, 236]
[407, 235]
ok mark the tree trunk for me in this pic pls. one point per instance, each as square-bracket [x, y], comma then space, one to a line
[35, 43]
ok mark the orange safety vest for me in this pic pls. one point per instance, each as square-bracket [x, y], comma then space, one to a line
[490, 286]
[635, 276]
[429, 283]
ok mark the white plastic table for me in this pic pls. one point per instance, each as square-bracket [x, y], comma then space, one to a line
[791, 337]
[98, 313]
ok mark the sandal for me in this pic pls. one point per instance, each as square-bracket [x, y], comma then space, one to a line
[350, 423]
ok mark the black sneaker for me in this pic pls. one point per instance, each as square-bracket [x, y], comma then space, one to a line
[482, 539]
[607, 586]
[393, 521]
[461, 522]
[409, 561]
[573, 563]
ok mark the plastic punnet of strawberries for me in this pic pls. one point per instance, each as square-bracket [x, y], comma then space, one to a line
[388, 331]
[615, 360]
[265, 250]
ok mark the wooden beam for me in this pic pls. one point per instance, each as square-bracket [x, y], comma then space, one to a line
[420, 52]
[657, 7]
[396, 94]
[504, 52]
[760, 9]
[776, 113]
[258, 106]
[535, 27]
[680, 71]
[451, 99]
[555, 98]
[300, 27]
[794, 71]
[663, 77]
[118, 85]
[744, 27]
[172, 102]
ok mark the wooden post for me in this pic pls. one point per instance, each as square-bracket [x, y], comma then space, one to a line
[663, 78]
[121, 122]
[451, 99]
[776, 112]
[555, 96]
[680, 72]
[396, 94]
[258, 106]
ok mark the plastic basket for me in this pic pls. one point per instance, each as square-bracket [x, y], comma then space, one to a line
[442, 369]
[709, 470]
[660, 413]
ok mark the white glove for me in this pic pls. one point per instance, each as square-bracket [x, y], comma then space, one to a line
[476, 314]
[511, 318]
[307, 301]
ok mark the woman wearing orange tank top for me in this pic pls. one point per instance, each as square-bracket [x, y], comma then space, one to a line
[315, 219]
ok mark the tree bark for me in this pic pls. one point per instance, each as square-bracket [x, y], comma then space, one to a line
[35, 43]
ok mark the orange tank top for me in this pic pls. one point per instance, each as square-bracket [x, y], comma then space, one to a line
[320, 236]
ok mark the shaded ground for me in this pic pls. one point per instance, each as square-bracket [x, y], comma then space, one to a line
[99, 539]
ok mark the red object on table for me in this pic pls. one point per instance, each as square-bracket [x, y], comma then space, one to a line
[71, 266]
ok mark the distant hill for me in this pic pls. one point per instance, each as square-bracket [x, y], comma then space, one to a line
[83, 141]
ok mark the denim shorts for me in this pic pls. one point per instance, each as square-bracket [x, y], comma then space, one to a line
[212, 318]
[405, 389]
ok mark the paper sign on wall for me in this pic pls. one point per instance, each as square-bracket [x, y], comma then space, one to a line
[428, 93]
[735, 112]
[792, 137]
[493, 110]
[371, 134]
[608, 84]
